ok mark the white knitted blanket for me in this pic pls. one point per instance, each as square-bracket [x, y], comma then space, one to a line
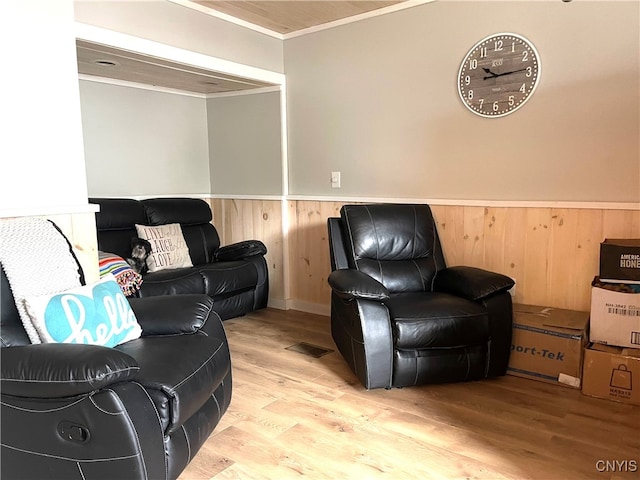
[37, 261]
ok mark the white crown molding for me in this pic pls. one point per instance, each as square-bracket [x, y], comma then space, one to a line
[174, 91]
[325, 26]
[356, 18]
[228, 18]
[252, 91]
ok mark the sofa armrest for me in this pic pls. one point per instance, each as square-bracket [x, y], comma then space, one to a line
[240, 250]
[51, 370]
[470, 282]
[172, 314]
[351, 284]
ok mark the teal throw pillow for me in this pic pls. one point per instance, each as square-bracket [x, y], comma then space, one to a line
[97, 314]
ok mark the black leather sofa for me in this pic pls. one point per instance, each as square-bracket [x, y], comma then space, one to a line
[235, 276]
[140, 410]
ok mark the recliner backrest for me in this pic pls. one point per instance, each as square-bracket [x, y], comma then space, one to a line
[117, 218]
[397, 244]
[194, 216]
[115, 223]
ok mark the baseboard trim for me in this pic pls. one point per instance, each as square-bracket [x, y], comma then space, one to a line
[278, 303]
[307, 307]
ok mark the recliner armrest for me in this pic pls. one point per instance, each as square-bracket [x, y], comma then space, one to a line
[470, 282]
[352, 284]
[172, 314]
[240, 250]
[51, 370]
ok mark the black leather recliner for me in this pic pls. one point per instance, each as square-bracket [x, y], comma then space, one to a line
[399, 315]
[140, 410]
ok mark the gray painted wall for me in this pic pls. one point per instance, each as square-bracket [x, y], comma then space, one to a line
[143, 142]
[245, 152]
[377, 100]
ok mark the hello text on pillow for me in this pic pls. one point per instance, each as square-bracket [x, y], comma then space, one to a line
[96, 314]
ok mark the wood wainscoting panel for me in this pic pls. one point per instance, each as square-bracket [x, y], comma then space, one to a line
[239, 219]
[451, 231]
[621, 223]
[537, 253]
[309, 251]
[564, 235]
[551, 253]
[505, 227]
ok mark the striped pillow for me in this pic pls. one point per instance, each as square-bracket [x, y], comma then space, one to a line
[129, 280]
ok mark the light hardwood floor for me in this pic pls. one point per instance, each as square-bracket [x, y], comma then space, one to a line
[293, 416]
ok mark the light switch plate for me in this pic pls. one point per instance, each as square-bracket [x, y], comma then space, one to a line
[335, 179]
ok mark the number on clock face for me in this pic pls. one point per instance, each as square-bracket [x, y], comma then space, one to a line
[498, 75]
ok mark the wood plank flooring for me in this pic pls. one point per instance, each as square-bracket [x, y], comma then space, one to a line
[294, 416]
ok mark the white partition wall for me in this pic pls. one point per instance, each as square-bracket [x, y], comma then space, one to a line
[41, 153]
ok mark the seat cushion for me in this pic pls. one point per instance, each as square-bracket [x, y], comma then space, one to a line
[436, 320]
[180, 372]
[172, 282]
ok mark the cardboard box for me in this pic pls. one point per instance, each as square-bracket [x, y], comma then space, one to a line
[548, 344]
[612, 373]
[620, 260]
[615, 315]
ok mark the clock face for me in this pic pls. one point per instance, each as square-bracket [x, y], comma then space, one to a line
[498, 75]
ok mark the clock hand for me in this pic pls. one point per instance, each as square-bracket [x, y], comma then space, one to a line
[496, 75]
[490, 73]
[509, 73]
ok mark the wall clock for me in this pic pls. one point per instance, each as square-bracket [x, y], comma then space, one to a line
[498, 75]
